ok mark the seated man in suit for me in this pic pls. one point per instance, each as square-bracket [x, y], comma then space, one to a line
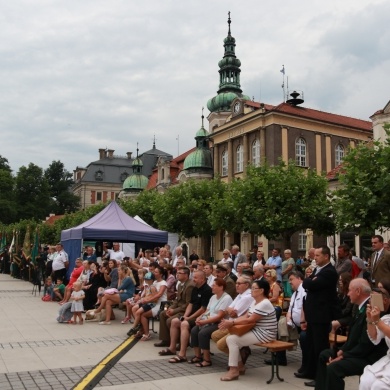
[356, 353]
[178, 307]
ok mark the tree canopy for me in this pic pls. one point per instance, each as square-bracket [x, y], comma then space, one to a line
[362, 199]
[276, 201]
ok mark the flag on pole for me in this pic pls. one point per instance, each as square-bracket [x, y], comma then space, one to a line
[27, 244]
[282, 70]
[3, 243]
[11, 247]
[35, 249]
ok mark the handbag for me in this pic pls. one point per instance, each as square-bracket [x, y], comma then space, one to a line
[241, 329]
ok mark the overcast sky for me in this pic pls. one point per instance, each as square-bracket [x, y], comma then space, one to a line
[76, 76]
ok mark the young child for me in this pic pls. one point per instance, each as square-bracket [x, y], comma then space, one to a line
[141, 307]
[77, 302]
[48, 289]
[58, 290]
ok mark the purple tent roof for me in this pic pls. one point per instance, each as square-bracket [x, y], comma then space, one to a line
[113, 224]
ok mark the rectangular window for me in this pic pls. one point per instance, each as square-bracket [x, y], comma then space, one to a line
[302, 240]
[98, 196]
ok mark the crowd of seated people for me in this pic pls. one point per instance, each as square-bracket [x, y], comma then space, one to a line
[198, 302]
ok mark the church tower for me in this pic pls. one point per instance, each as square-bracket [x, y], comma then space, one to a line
[229, 84]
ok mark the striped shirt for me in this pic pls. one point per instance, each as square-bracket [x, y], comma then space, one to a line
[266, 327]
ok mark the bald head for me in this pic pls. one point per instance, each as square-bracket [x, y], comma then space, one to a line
[359, 290]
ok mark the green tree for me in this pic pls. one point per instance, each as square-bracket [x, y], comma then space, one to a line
[362, 199]
[60, 182]
[186, 208]
[32, 193]
[276, 201]
[4, 164]
[8, 213]
[143, 206]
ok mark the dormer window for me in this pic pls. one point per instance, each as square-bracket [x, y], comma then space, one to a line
[99, 175]
[123, 176]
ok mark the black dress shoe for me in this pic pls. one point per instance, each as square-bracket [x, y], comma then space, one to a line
[301, 375]
[310, 384]
[269, 362]
[161, 343]
[300, 370]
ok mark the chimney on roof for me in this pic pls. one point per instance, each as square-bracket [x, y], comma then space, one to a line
[129, 155]
[102, 154]
[110, 153]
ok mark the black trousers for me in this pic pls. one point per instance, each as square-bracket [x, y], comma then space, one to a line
[317, 338]
[331, 377]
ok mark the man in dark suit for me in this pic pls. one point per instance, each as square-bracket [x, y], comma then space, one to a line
[380, 261]
[178, 307]
[357, 352]
[319, 309]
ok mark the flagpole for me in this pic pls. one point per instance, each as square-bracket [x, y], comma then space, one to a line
[284, 91]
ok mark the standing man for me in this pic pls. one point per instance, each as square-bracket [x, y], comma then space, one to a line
[275, 262]
[343, 264]
[89, 255]
[237, 256]
[179, 255]
[380, 261]
[115, 253]
[178, 307]
[319, 309]
[60, 263]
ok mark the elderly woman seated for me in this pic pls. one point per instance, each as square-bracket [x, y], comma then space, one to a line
[113, 297]
[261, 315]
[208, 323]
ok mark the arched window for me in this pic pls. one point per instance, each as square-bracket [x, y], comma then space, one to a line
[256, 153]
[300, 152]
[224, 171]
[162, 174]
[240, 159]
[339, 154]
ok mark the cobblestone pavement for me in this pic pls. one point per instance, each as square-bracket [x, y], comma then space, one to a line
[122, 373]
[38, 353]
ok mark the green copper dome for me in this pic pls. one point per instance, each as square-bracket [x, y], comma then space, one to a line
[229, 77]
[223, 101]
[137, 162]
[135, 182]
[202, 132]
[200, 158]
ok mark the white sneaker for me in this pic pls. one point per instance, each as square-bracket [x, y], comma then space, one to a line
[104, 323]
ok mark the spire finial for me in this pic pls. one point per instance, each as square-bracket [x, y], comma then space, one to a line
[229, 21]
[154, 141]
[202, 115]
[137, 149]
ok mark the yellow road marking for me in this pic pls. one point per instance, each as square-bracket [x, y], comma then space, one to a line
[102, 365]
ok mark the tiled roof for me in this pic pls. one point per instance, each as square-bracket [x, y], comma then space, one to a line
[176, 166]
[323, 116]
[334, 173]
[50, 220]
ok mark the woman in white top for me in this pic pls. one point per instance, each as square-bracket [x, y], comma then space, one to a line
[161, 296]
[262, 315]
[377, 376]
[208, 322]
